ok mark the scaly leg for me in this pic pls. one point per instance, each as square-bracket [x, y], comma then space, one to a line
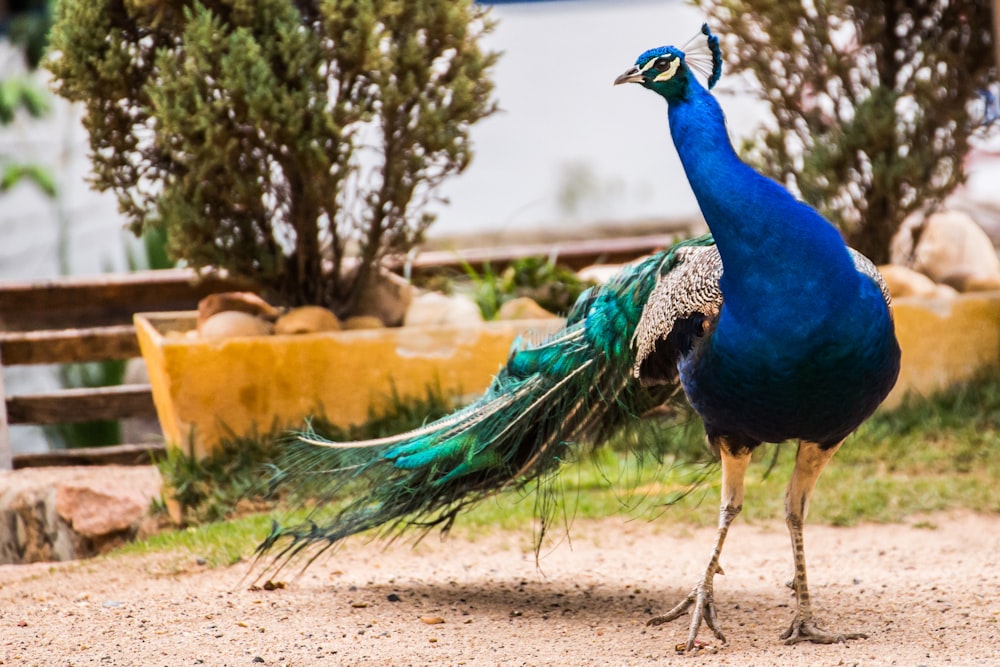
[702, 597]
[809, 463]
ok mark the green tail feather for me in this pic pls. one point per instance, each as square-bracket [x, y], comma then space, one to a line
[575, 388]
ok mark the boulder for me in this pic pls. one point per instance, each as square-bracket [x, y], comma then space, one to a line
[64, 513]
[433, 308]
[951, 243]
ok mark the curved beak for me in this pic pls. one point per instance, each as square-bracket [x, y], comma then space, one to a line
[633, 75]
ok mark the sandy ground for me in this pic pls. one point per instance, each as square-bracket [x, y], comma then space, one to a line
[927, 592]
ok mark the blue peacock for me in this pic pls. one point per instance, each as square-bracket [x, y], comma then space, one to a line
[772, 326]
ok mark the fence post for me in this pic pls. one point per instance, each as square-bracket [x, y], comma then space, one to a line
[6, 460]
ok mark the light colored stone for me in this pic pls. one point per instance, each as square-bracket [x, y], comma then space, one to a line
[234, 324]
[433, 308]
[966, 281]
[363, 322]
[307, 319]
[598, 273]
[244, 302]
[904, 282]
[523, 308]
[950, 243]
[387, 298]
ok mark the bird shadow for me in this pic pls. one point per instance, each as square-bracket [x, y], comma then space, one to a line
[549, 598]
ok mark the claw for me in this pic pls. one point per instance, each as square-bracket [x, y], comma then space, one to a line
[702, 599]
[805, 630]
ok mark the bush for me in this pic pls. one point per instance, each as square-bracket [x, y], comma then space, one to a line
[278, 139]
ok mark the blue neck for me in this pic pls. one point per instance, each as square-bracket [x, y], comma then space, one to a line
[778, 247]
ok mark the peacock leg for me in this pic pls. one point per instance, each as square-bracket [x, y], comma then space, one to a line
[809, 463]
[702, 597]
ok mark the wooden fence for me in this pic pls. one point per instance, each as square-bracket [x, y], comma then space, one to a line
[71, 320]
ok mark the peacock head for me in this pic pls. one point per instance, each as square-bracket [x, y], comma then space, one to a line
[666, 69]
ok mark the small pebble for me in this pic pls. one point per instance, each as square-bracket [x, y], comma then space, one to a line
[392, 597]
[431, 620]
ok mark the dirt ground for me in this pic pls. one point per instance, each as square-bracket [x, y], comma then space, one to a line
[927, 592]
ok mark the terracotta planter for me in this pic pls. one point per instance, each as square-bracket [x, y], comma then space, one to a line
[206, 390]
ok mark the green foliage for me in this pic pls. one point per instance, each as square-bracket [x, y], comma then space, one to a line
[273, 139]
[27, 29]
[875, 103]
[21, 93]
[555, 288]
[12, 173]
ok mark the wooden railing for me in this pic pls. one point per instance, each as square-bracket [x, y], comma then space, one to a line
[90, 319]
[84, 319]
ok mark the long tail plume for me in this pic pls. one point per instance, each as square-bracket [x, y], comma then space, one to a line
[576, 387]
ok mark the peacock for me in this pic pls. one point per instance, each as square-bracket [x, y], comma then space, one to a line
[773, 328]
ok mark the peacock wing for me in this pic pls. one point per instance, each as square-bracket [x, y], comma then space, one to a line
[683, 306]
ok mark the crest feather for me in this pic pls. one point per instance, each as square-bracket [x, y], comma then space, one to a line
[703, 55]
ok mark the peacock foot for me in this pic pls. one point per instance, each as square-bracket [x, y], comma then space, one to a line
[806, 630]
[702, 599]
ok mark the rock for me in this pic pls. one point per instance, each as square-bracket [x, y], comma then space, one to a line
[598, 273]
[906, 282]
[950, 243]
[307, 319]
[65, 513]
[388, 298]
[523, 308]
[363, 322]
[234, 324]
[967, 281]
[243, 302]
[944, 292]
[433, 308]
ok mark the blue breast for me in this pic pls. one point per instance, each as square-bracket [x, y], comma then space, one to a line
[804, 347]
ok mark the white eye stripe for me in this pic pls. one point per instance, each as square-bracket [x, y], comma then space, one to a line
[664, 76]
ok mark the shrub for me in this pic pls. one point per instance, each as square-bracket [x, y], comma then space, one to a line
[275, 139]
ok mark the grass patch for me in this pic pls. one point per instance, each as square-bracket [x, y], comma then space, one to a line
[931, 454]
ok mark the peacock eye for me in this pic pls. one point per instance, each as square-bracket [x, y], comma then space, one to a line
[662, 63]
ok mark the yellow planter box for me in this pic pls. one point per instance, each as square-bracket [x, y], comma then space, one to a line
[206, 390]
[945, 341]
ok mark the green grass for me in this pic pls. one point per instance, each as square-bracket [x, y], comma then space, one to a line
[929, 455]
